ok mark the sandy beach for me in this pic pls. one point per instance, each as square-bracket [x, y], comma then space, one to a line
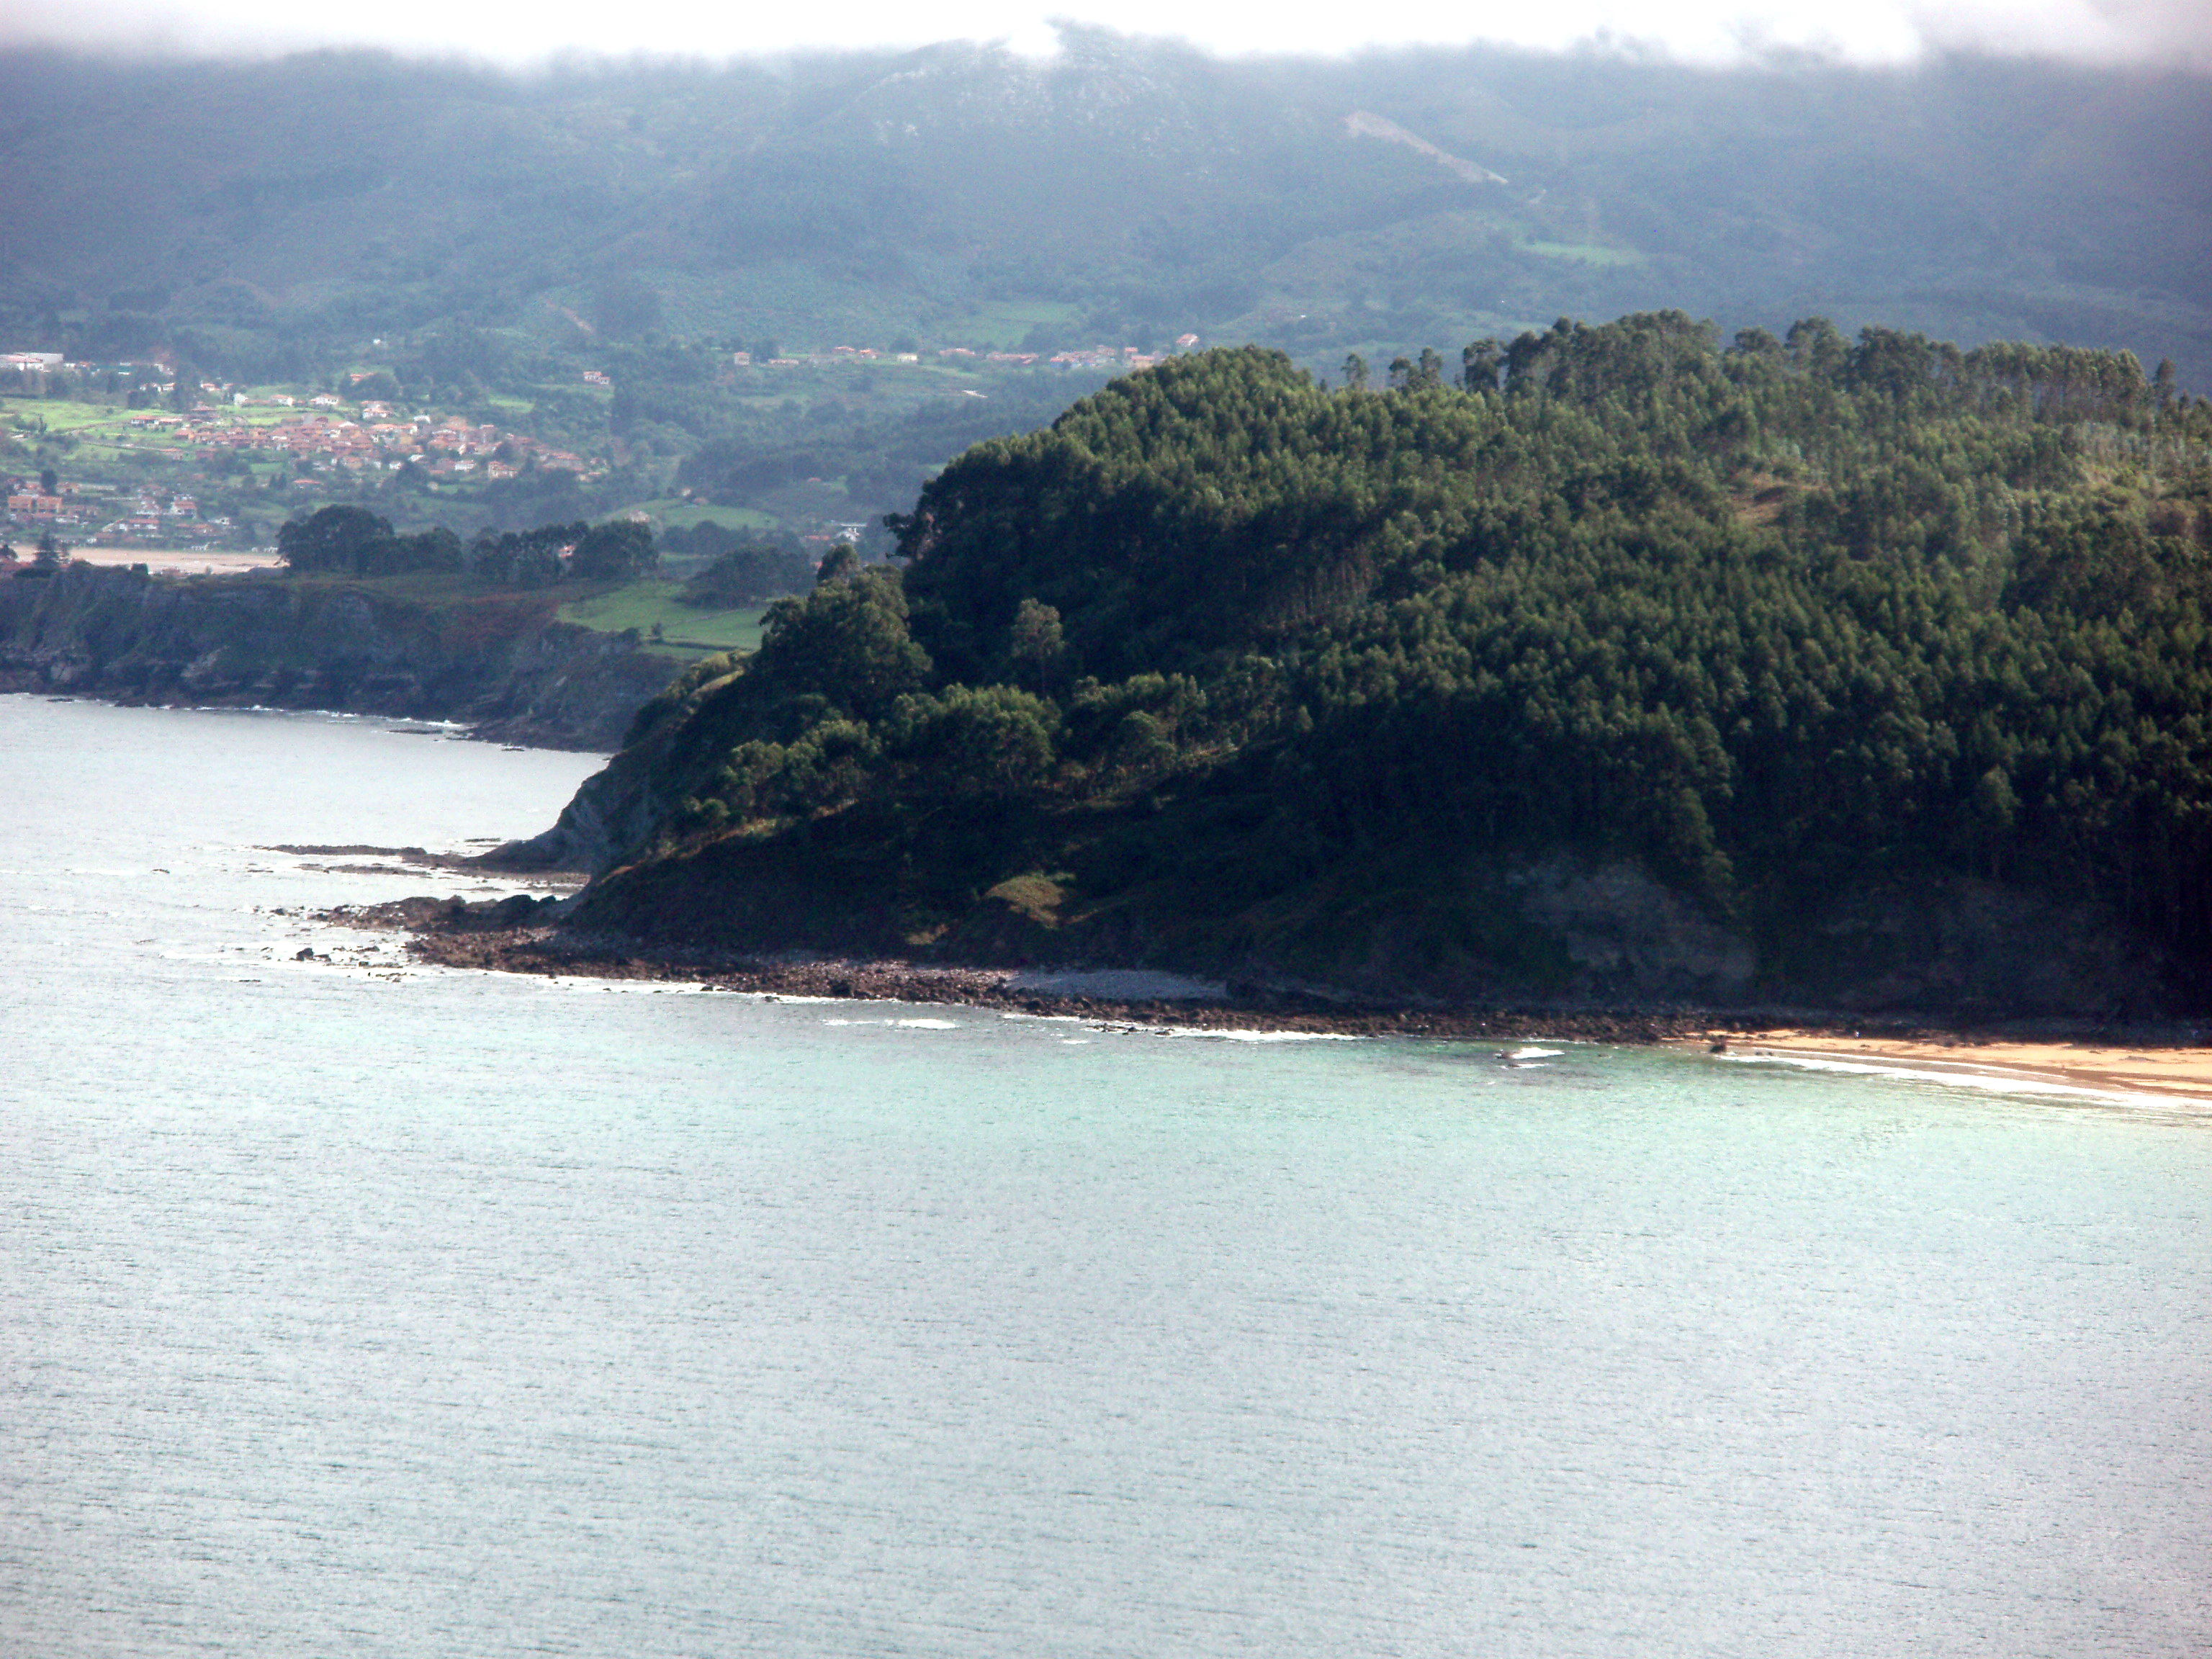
[2185, 1072]
[178, 561]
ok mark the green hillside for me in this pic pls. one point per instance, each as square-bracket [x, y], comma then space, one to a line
[1860, 670]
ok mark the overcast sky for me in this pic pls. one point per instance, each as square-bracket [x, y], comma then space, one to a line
[2167, 32]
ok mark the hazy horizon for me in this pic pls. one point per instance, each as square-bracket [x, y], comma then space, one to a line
[2151, 33]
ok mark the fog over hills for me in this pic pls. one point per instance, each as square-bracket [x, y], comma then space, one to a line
[267, 217]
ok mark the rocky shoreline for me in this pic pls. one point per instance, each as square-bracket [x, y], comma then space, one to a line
[2168, 1063]
[509, 936]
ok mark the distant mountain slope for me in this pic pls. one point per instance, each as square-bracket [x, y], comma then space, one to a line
[1127, 190]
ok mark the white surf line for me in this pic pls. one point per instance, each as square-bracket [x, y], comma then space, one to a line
[1242, 1034]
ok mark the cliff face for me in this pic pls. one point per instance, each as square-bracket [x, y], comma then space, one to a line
[500, 664]
[611, 819]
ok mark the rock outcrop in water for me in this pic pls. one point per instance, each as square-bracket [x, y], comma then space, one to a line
[499, 663]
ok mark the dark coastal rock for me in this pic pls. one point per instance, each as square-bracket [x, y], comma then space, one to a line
[1601, 940]
[1628, 936]
[1977, 948]
[609, 819]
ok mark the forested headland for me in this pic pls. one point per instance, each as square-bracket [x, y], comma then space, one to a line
[1607, 661]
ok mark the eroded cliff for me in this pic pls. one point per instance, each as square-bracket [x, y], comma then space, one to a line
[499, 663]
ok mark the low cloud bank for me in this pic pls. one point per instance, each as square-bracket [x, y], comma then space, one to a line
[2172, 34]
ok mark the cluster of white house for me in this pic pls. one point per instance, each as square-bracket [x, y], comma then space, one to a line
[1099, 357]
[377, 440]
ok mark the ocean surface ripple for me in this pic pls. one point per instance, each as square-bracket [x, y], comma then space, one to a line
[351, 1308]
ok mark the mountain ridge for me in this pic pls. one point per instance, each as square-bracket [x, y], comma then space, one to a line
[1142, 187]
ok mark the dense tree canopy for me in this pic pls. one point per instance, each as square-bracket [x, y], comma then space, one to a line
[354, 542]
[614, 551]
[747, 568]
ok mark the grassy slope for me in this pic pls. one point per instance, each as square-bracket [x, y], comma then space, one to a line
[684, 631]
[465, 613]
[447, 601]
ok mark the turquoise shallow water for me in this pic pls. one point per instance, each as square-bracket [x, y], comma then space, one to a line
[361, 1310]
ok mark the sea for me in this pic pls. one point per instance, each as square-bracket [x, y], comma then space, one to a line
[350, 1308]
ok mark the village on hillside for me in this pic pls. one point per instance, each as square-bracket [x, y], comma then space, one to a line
[136, 454]
[318, 445]
[319, 440]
